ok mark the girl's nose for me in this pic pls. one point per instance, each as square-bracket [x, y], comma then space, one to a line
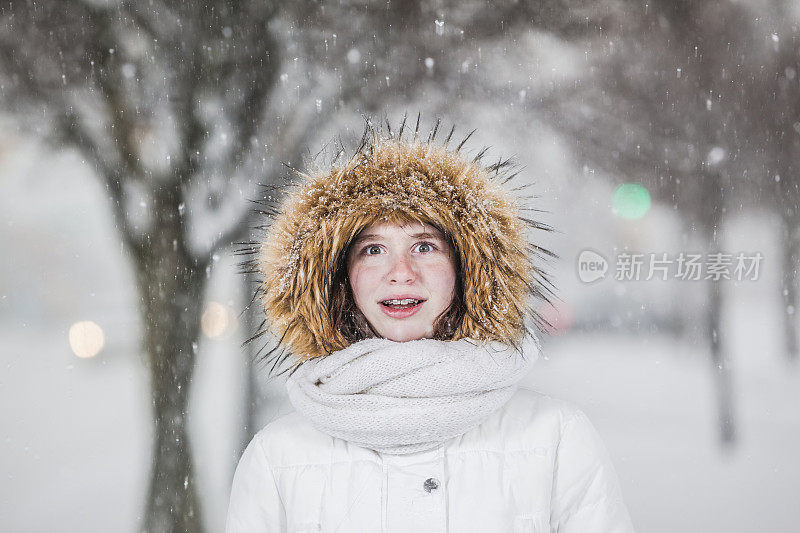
[401, 270]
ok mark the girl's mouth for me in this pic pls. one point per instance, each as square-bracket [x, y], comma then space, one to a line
[401, 308]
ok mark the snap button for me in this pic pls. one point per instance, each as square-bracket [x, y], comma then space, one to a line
[431, 484]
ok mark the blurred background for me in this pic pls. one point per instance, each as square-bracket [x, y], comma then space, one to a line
[662, 138]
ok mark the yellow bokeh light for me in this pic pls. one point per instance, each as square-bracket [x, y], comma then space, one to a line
[86, 339]
[215, 319]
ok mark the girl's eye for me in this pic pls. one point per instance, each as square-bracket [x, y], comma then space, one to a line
[429, 245]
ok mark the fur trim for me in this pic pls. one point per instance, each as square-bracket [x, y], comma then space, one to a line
[427, 183]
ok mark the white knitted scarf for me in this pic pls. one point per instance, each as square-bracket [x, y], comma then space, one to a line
[405, 397]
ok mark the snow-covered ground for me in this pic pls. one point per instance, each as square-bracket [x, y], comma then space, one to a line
[75, 441]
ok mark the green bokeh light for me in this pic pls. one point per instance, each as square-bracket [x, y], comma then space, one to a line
[631, 201]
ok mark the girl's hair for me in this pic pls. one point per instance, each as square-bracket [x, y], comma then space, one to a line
[353, 325]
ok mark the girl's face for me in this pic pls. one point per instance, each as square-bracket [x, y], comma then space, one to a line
[392, 262]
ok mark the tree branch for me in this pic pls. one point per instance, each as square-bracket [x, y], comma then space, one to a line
[75, 134]
[291, 144]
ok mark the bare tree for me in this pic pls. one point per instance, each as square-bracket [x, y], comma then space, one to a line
[775, 100]
[168, 102]
[673, 103]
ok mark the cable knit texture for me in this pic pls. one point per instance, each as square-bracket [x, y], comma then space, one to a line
[405, 397]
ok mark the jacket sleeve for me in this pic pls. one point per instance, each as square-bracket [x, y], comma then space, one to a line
[586, 493]
[255, 505]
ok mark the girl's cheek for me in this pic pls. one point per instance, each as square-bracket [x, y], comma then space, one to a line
[361, 276]
[444, 269]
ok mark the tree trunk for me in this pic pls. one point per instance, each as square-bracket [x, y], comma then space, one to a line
[722, 370]
[714, 202]
[172, 290]
[790, 247]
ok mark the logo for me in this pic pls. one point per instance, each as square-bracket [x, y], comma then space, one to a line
[591, 266]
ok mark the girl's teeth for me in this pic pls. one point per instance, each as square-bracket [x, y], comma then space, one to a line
[402, 304]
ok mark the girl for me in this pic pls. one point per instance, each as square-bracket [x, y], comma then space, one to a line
[399, 282]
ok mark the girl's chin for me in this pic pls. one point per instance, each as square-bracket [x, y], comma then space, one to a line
[410, 334]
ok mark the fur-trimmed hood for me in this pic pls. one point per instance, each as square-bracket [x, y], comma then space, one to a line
[429, 183]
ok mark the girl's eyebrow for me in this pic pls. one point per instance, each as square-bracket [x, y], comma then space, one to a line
[423, 235]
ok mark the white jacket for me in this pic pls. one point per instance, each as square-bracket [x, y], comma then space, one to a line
[536, 465]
